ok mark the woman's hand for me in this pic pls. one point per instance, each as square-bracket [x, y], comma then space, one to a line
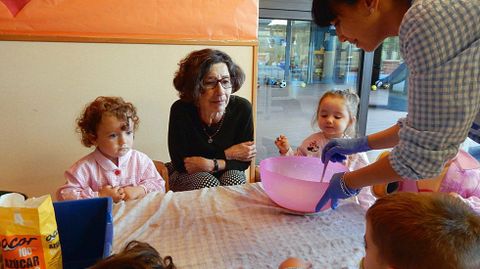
[116, 193]
[282, 144]
[337, 148]
[197, 164]
[133, 192]
[244, 152]
[337, 189]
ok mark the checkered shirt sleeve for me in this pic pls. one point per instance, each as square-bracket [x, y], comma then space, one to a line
[440, 42]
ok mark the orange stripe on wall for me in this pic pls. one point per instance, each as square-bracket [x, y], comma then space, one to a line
[172, 19]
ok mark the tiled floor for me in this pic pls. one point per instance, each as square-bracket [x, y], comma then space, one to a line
[289, 111]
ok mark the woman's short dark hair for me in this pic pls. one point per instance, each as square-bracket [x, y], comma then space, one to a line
[193, 68]
[323, 11]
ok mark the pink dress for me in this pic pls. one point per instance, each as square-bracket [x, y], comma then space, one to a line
[312, 147]
[462, 178]
[94, 171]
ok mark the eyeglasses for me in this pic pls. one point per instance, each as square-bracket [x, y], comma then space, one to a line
[212, 83]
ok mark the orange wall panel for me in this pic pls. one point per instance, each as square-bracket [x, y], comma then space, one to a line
[234, 20]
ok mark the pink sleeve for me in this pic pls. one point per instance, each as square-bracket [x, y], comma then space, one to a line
[76, 186]
[302, 149]
[151, 180]
[365, 198]
[290, 152]
[357, 161]
[473, 197]
[473, 202]
[464, 181]
[299, 152]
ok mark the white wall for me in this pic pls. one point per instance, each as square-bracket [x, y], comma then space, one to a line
[45, 85]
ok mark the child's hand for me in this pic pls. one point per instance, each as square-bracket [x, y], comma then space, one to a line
[133, 192]
[116, 193]
[282, 144]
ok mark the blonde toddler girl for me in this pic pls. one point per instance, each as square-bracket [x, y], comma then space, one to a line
[336, 118]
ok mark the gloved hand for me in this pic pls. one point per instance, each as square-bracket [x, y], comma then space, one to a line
[336, 190]
[336, 149]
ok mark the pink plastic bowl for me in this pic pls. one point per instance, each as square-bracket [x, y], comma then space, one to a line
[294, 182]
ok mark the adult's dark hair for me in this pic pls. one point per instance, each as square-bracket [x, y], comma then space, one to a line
[323, 11]
[136, 255]
[193, 68]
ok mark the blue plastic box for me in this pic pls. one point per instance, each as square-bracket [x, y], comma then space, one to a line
[86, 231]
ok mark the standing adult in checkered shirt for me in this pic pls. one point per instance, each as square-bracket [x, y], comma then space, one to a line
[440, 43]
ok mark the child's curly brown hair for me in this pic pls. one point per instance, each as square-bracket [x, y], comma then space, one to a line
[136, 255]
[88, 122]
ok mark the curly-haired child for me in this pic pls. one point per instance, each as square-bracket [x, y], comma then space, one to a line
[113, 169]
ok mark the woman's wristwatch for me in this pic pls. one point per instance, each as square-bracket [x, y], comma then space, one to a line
[215, 166]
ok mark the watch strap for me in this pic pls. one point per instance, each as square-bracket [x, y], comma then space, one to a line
[215, 165]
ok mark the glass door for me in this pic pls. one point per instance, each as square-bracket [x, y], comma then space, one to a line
[297, 63]
[388, 98]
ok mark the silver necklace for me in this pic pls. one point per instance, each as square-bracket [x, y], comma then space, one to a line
[210, 137]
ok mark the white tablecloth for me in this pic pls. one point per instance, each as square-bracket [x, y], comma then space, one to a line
[239, 227]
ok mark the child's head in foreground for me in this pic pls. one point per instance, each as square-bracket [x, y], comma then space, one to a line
[295, 263]
[136, 255]
[421, 230]
[336, 113]
[109, 124]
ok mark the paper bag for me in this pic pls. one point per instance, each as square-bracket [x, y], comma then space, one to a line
[28, 233]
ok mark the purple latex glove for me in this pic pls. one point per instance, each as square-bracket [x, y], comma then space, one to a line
[336, 190]
[336, 149]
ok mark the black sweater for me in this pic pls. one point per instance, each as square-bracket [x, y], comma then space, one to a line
[187, 138]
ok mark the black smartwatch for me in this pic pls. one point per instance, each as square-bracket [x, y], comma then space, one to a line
[215, 166]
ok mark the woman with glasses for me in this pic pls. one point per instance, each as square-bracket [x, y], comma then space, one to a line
[210, 133]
